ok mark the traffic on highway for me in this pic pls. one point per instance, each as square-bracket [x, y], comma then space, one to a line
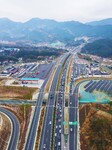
[54, 135]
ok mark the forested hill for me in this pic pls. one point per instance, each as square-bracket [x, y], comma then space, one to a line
[46, 30]
[102, 47]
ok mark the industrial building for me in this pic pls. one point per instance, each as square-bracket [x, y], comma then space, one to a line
[29, 80]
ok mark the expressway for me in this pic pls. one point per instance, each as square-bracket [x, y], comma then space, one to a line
[46, 135]
[45, 141]
[33, 128]
[15, 129]
[60, 104]
[73, 108]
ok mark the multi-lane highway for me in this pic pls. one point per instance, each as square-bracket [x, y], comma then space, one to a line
[53, 130]
[32, 132]
[45, 141]
[56, 101]
[73, 106]
[73, 109]
[60, 104]
[52, 136]
[15, 129]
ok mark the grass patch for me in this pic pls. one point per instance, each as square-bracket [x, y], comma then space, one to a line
[11, 92]
[15, 82]
[40, 126]
[66, 119]
[53, 128]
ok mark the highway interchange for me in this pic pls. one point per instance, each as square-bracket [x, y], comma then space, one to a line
[52, 136]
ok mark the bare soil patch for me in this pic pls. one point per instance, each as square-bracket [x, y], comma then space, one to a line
[11, 92]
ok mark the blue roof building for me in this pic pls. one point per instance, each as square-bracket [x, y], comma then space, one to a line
[29, 79]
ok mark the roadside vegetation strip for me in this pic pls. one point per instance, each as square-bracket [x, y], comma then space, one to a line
[66, 120]
[48, 85]
[60, 74]
[25, 111]
[40, 126]
[53, 128]
[68, 75]
[59, 79]
[21, 93]
[67, 89]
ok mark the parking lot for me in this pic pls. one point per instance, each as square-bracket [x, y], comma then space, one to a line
[40, 72]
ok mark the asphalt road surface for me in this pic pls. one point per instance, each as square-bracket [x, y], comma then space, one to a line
[47, 127]
[32, 133]
[15, 129]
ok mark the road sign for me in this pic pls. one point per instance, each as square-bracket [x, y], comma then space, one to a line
[70, 123]
[64, 123]
[73, 123]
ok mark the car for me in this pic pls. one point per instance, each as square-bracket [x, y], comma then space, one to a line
[61, 115]
[55, 145]
[44, 146]
[60, 131]
[51, 96]
[50, 122]
[55, 134]
[71, 129]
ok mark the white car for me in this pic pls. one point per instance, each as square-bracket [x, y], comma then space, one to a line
[44, 146]
[59, 131]
[71, 129]
[55, 134]
[50, 122]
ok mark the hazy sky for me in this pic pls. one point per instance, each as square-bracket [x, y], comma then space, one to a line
[80, 10]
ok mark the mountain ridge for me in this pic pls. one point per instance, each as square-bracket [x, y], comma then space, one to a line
[49, 30]
[107, 21]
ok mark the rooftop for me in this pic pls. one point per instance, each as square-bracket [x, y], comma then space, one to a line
[29, 79]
